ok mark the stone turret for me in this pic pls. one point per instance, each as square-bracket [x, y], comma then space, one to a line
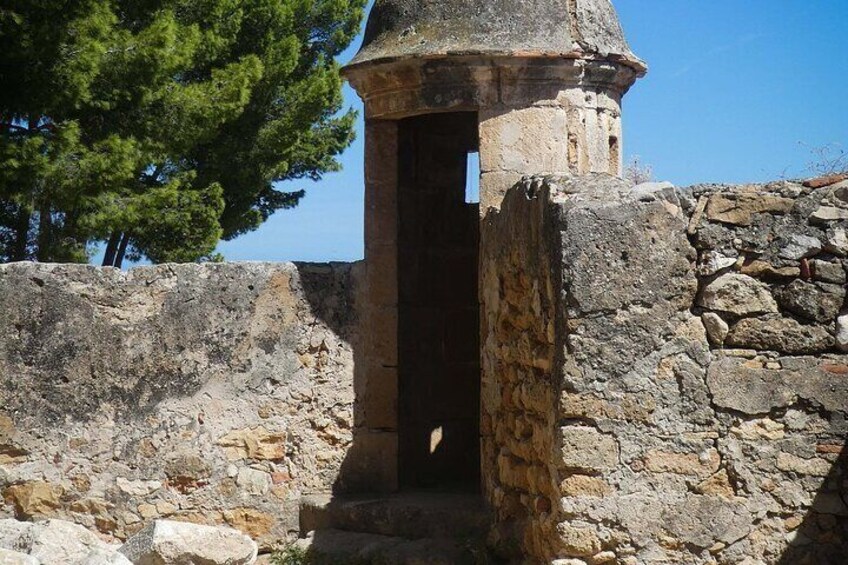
[545, 76]
[535, 87]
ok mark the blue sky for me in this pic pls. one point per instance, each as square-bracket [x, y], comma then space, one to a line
[738, 91]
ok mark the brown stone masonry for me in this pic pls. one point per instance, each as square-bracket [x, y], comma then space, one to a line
[693, 395]
[203, 393]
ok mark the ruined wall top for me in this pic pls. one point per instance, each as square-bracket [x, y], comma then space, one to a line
[541, 28]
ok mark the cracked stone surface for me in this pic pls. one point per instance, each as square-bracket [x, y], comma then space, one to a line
[207, 393]
[665, 380]
[695, 354]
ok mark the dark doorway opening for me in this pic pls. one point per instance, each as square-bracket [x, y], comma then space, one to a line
[438, 305]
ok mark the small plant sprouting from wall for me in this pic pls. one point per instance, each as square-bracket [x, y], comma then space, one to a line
[636, 172]
[291, 555]
[830, 159]
[474, 552]
[295, 555]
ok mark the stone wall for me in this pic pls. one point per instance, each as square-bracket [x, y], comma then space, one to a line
[771, 267]
[518, 290]
[203, 393]
[664, 380]
[697, 397]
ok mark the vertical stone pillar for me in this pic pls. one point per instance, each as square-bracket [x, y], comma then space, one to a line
[577, 131]
[515, 142]
[594, 130]
[378, 430]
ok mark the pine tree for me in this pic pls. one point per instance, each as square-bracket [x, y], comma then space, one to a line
[161, 126]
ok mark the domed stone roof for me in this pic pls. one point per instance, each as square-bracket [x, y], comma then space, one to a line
[400, 29]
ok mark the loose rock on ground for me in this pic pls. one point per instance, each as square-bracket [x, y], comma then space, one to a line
[162, 542]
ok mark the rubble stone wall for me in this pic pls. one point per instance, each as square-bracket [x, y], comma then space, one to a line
[202, 393]
[518, 294]
[698, 384]
[772, 273]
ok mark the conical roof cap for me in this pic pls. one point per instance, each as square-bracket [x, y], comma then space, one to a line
[400, 29]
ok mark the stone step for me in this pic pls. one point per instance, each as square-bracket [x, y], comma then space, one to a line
[338, 547]
[408, 515]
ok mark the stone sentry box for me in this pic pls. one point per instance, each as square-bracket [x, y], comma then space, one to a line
[629, 375]
[534, 87]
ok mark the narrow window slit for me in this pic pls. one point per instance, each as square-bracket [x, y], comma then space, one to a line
[472, 181]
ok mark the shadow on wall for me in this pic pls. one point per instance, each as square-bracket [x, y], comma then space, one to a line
[417, 386]
[219, 365]
[416, 355]
[353, 473]
[822, 536]
[356, 471]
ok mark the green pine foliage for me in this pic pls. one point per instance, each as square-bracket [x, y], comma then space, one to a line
[162, 126]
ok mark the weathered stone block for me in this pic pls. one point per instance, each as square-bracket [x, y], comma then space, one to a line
[187, 470]
[765, 270]
[750, 387]
[815, 301]
[792, 463]
[798, 247]
[137, 487]
[251, 522]
[8, 557]
[755, 430]
[737, 294]
[825, 214]
[53, 541]
[842, 331]
[605, 246]
[588, 449]
[739, 209]
[717, 485]
[828, 271]
[254, 443]
[253, 481]
[33, 499]
[717, 328]
[165, 541]
[584, 485]
[705, 520]
[631, 407]
[580, 541]
[837, 242]
[775, 333]
[712, 263]
[701, 464]
[524, 141]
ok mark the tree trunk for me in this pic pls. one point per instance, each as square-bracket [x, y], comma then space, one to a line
[122, 250]
[45, 251]
[111, 249]
[19, 250]
[69, 232]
